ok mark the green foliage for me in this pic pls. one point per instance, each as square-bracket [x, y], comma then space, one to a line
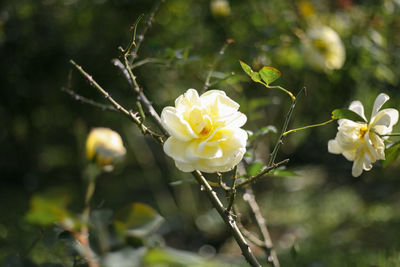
[266, 74]
[346, 114]
[255, 168]
[255, 76]
[391, 154]
[47, 209]
[138, 220]
[269, 74]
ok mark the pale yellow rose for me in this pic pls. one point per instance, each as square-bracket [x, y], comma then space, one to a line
[361, 142]
[324, 49]
[205, 132]
[105, 146]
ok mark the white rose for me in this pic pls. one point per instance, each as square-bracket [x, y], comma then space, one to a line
[324, 49]
[360, 142]
[205, 132]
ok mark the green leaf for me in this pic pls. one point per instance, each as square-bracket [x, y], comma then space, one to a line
[254, 168]
[346, 114]
[46, 209]
[269, 74]
[246, 68]
[284, 173]
[255, 76]
[137, 219]
[391, 154]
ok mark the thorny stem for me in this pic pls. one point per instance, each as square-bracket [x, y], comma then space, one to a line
[265, 171]
[284, 128]
[246, 233]
[307, 127]
[272, 258]
[232, 192]
[228, 219]
[131, 78]
[221, 52]
[88, 101]
[148, 23]
[119, 107]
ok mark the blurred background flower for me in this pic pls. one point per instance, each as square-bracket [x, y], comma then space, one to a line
[324, 49]
[104, 146]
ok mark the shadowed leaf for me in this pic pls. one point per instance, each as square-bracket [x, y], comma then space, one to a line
[346, 114]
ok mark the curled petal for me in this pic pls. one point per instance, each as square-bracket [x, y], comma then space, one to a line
[358, 108]
[176, 125]
[218, 104]
[197, 150]
[358, 166]
[333, 147]
[379, 101]
[185, 167]
[384, 121]
[234, 120]
[187, 100]
[176, 149]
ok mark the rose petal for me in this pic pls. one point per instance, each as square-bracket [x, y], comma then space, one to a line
[384, 121]
[379, 101]
[175, 125]
[185, 167]
[187, 100]
[333, 147]
[176, 149]
[358, 108]
[358, 165]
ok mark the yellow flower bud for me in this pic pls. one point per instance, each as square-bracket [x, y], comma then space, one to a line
[220, 8]
[105, 146]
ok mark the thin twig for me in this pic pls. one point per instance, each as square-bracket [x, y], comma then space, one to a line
[272, 258]
[145, 61]
[308, 127]
[148, 24]
[84, 232]
[221, 52]
[284, 128]
[131, 78]
[88, 101]
[228, 219]
[246, 233]
[265, 171]
[118, 106]
[232, 192]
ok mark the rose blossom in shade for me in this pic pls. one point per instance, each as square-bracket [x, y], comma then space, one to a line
[361, 142]
[105, 146]
[205, 132]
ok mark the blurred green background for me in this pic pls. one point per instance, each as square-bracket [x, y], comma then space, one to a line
[324, 217]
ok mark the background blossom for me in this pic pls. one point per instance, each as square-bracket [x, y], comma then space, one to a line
[324, 49]
[361, 142]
